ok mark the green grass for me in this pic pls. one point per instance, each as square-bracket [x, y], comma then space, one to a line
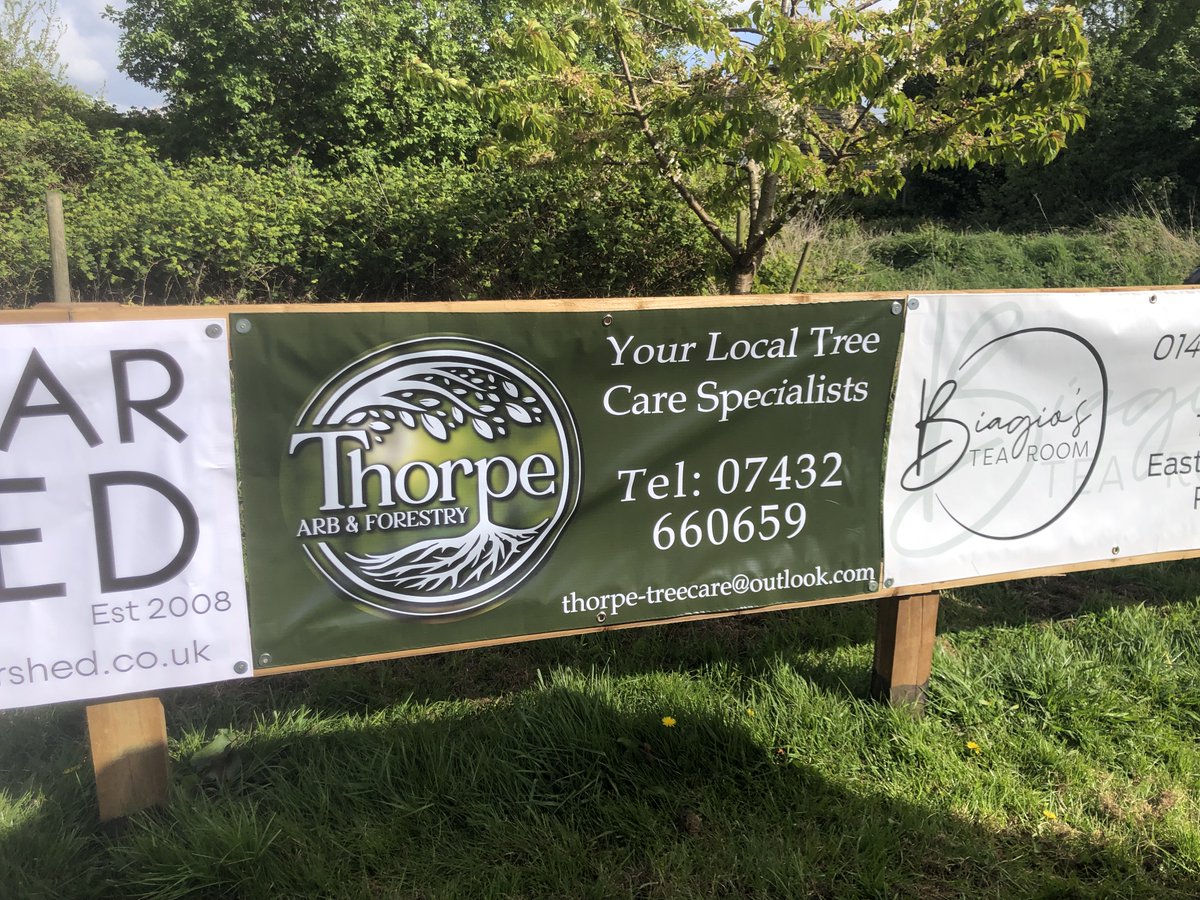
[847, 256]
[545, 770]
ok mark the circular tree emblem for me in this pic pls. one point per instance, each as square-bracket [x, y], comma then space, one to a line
[431, 477]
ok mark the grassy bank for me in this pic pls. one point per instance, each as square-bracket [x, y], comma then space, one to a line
[845, 255]
[1060, 757]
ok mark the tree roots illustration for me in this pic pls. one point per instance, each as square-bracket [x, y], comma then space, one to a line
[449, 562]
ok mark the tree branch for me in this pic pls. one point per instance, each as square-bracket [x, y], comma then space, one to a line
[766, 203]
[650, 18]
[889, 81]
[666, 164]
[807, 129]
[752, 173]
[796, 201]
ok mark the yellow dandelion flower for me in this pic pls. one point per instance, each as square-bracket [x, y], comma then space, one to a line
[750, 711]
[1049, 814]
[668, 721]
[974, 747]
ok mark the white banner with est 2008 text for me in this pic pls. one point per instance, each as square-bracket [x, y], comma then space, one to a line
[120, 547]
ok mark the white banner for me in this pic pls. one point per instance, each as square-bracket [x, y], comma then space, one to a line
[1035, 430]
[120, 547]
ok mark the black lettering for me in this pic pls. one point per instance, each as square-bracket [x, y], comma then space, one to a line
[24, 536]
[913, 478]
[110, 581]
[21, 407]
[149, 409]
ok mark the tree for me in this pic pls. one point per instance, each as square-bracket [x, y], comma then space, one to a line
[1143, 133]
[769, 110]
[265, 80]
[29, 33]
[1141, 146]
[49, 130]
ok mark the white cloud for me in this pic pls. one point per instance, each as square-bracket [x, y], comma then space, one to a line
[88, 49]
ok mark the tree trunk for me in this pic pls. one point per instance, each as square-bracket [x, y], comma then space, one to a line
[741, 274]
[741, 282]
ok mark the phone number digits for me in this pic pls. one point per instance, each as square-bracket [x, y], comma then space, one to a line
[715, 527]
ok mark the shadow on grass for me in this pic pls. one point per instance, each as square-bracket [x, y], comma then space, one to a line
[564, 791]
[472, 774]
[831, 645]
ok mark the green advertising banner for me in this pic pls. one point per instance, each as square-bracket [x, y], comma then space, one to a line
[415, 479]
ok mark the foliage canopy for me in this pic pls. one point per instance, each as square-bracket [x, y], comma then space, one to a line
[1143, 134]
[772, 108]
[1141, 147]
[29, 33]
[267, 80]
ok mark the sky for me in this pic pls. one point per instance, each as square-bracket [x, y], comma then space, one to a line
[88, 48]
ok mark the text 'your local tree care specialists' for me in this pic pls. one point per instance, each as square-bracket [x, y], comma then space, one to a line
[120, 548]
[415, 479]
[767, 413]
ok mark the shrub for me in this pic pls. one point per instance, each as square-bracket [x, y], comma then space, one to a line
[141, 228]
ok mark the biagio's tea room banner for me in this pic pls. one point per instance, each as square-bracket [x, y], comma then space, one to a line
[1039, 430]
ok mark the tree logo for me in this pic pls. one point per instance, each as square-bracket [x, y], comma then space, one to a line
[431, 477]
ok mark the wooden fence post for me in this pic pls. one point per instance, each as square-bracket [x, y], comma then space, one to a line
[905, 629]
[129, 755]
[58, 247]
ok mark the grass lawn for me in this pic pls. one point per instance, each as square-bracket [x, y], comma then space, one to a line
[1060, 757]
[848, 255]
